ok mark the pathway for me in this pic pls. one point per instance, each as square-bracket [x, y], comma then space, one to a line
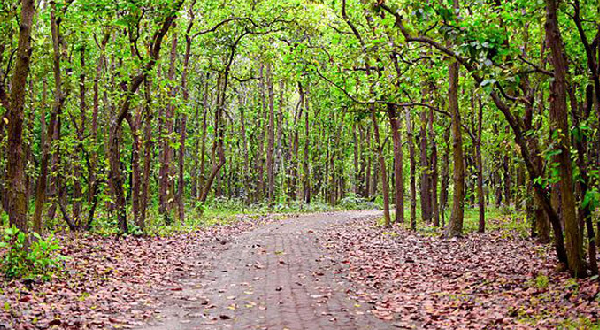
[274, 277]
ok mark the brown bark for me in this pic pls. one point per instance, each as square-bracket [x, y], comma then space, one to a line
[445, 175]
[205, 108]
[433, 168]
[270, 138]
[245, 152]
[413, 188]
[183, 115]
[506, 175]
[134, 123]
[558, 116]
[219, 158]
[40, 188]
[368, 163]
[79, 149]
[584, 212]
[382, 169]
[356, 157]
[14, 103]
[479, 165]
[395, 124]
[279, 163]
[260, 151]
[455, 223]
[424, 181]
[593, 99]
[148, 144]
[166, 170]
[295, 142]
[307, 181]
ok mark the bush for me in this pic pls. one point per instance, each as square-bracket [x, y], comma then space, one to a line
[353, 202]
[39, 259]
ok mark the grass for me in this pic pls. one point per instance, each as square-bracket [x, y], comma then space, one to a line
[508, 221]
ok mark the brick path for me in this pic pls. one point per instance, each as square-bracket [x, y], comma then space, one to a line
[275, 277]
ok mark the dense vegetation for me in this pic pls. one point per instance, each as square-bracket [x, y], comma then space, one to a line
[124, 112]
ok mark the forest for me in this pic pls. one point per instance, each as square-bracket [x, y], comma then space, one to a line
[435, 162]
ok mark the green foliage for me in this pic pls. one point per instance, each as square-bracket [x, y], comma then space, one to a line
[23, 260]
[542, 281]
[354, 202]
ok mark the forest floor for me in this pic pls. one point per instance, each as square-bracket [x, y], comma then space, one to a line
[331, 270]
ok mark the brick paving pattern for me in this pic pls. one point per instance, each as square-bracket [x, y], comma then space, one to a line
[275, 277]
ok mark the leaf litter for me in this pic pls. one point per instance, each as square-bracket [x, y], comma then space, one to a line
[112, 282]
[482, 281]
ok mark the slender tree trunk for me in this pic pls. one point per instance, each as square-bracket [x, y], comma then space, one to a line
[433, 168]
[260, 151]
[382, 169]
[166, 171]
[413, 165]
[134, 123]
[245, 152]
[40, 188]
[478, 162]
[145, 184]
[356, 157]
[270, 138]
[445, 175]
[183, 116]
[584, 212]
[279, 164]
[398, 162]
[368, 167]
[59, 99]
[560, 125]
[205, 106]
[307, 181]
[219, 160]
[506, 176]
[455, 224]
[424, 181]
[78, 155]
[293, 191]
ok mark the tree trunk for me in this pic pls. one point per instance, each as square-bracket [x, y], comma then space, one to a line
[395, 124]
[202, 156]
[368, 167]
[15, 167]
[134, 123]
[433, 168]
[413, 188]
[445, 175]
[479, 164]
[382, 169]
[455, 224]
[307, 183]
[219, 159]
[145, 184]
[424, 181]
[260, 151]
[270, 138]
[166, 170]
[560, 126]
[46, 140]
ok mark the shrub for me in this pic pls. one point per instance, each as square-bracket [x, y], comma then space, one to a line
[38, 259]
[353, 202]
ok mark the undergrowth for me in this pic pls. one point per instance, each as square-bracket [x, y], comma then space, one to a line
[29, 260]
